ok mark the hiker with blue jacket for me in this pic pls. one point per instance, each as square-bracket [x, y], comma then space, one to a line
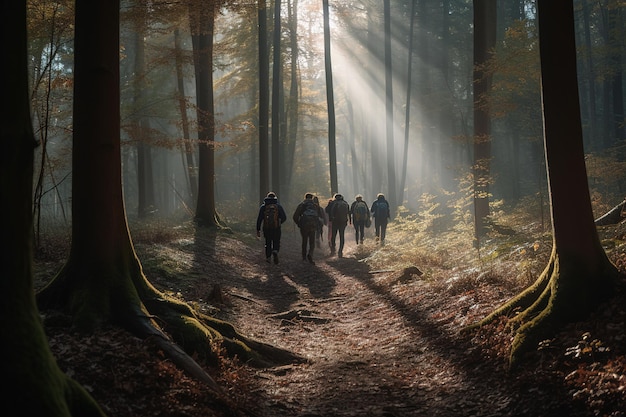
[271, 216]
[360, 216]
[380, 211]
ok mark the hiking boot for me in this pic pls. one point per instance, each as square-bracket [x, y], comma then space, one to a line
[340, 254]
[310, 258]
[361, 241]
[268, 259]
[275, 254]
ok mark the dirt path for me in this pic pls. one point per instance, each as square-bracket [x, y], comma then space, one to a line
[376, 346]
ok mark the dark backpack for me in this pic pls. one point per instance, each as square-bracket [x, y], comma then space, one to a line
[309, 219]
[271, 218]
[340, 211]
[360, 211]
[382, 209]
[310, 209]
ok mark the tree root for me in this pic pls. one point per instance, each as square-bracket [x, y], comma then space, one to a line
[563, 293]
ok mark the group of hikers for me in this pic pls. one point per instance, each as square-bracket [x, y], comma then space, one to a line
[311, 218]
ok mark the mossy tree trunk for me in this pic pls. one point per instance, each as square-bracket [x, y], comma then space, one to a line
[579, 276]
[102, 280]
[36, 386]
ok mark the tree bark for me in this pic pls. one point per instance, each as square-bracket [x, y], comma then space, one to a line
[392, 195]
[264, 94]
[202, 20]
[276, 99]
[330, 102]
[484, 42]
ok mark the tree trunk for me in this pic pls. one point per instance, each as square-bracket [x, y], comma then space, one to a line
[36, 386]
[484, 42]
[330, 102]
[202, 24]
[292, 114]
[264, 102]
[187, 148]
[578, 275]
[392, 195]
[407, 110]
[276, 93]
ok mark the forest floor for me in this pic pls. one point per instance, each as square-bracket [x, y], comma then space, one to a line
[377, 341]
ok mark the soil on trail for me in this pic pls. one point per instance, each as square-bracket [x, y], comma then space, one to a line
[377, 343]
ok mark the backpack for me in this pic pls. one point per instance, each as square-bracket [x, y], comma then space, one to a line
[382, 209]
[309, 219]
[340, 211]
[360, 211]
[271, 219]
[310, 209]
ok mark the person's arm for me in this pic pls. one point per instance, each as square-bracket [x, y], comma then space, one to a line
[259, 220]
[296, 214]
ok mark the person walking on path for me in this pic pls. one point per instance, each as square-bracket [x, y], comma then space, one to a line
[323, 221]
[341, 216]
[380, 211]
[328, 210]
[359, 216]
[271, 216]
[307, 217]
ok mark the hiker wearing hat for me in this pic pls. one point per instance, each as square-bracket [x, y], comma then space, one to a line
[307, 216]
[340, 214]
[360, 217]
[271, 216]
[380, 211]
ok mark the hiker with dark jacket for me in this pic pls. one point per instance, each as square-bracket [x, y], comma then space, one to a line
[359, 215]
[328, 210]
[319, 236]
[271, 216]
[307, 217]
[380, 211]
[340, 213]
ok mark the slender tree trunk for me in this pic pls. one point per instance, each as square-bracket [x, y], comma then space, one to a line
[294, 98]
[264, 94]
[145, 183]
[590, 78]
[330, 102]
[392, 196]
[407, 114]
[484, 42]
[187, 148]
[276, 93]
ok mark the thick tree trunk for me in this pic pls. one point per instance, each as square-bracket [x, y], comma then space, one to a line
[36, 386]
[202, 22]
[579, 275]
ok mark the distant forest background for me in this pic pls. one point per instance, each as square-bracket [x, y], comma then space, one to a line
[424, 68]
